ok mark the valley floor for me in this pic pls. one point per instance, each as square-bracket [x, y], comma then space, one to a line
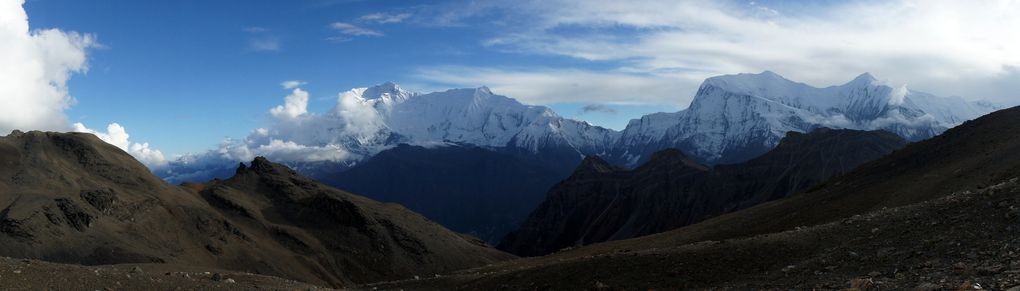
[966, 240]
[21, 274]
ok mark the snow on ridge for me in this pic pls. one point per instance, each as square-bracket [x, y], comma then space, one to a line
[730, 113]
[754, 111]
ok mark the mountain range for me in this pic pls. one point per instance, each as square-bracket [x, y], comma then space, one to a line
[600, 202]
[809, 213]
[938, 214]
[732, 119]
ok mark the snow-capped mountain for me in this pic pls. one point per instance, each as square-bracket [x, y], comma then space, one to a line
[737, 117]
[366, 121]
[732, 118]
[479, 117]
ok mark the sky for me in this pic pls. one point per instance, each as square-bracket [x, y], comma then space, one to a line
[180, 76]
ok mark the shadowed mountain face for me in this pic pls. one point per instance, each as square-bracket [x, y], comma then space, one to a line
[599, 202]
[72, 198]
[468, 189]
[939, 214]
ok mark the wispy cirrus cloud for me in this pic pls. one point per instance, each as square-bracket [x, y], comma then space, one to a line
[292, 84]
[261, 39]
[942, 46]
[254, 29]
[384, 18]
[353, 30]
[552, 85]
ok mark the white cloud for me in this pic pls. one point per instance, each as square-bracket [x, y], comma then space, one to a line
[294, 105]
[292, 84]
[36, 65]
[290, 151]
[260, 40]
[382, 18]
[898, 95]
[550, 86]
[360, 119]
[942, 46]
[293, 135]
[354, 30]
[338, 39]
[116, 135]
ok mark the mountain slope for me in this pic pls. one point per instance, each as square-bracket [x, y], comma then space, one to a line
[465, 188]
[73, 198]
[937, 214]
[962, 241]
[734, 118]
[599, 203]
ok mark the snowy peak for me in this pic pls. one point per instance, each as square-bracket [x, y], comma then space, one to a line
[863, 79]
[483, 90]
[388, 90]
[736, 117]
[751, 83]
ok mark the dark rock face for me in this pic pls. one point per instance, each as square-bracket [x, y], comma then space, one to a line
[483, 192]
[72, 198]
[600, 203]
[103, 199]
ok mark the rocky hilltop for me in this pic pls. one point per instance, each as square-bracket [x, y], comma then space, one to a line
[72, 198]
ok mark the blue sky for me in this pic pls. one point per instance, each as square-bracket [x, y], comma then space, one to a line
[183, 75]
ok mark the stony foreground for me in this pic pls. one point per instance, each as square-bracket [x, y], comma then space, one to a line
[21, 274]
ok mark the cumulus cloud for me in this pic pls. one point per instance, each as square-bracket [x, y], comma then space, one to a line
[279, 150]
[383, 18]
[294, 105]
[36, 65]
[291, 151]
[359, 118]
[353, 30]
[942, 46]
[116, 135]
